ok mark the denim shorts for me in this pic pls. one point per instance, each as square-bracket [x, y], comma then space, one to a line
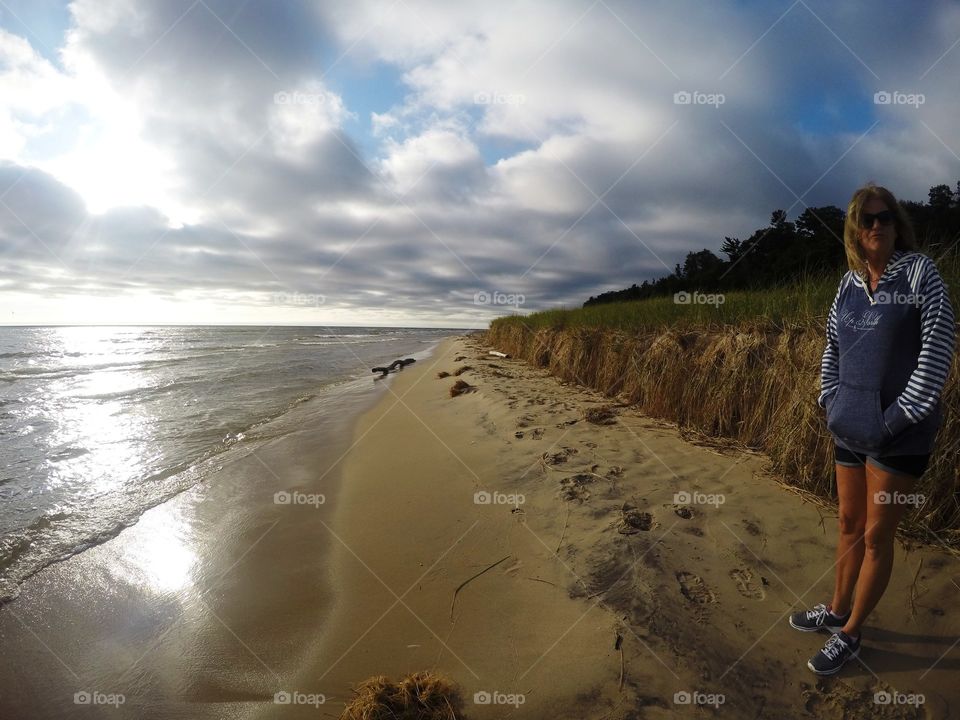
[914, 465]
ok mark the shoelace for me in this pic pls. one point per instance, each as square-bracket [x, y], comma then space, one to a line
[834, 647]
[818, 613]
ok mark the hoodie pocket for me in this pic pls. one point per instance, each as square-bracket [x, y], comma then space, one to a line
[856, 416]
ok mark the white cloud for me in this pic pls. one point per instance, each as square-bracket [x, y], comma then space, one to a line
[163, 119]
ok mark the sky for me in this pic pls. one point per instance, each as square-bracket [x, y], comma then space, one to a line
[358, 162]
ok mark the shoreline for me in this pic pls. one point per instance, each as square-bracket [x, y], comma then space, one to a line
[161, 611]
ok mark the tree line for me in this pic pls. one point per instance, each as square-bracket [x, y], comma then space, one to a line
[785, 251]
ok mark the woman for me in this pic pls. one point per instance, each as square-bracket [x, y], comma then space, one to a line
[890, 342]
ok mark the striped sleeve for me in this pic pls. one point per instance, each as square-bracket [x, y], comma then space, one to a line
[830, 362]
[937, 343]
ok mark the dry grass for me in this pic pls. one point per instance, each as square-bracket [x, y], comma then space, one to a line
[420, 696]
[460, 387]
[603, 415]
[749, 383]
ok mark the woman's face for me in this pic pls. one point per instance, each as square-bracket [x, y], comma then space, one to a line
[878, 239]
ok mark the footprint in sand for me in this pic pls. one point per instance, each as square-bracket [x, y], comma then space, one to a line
[684, 511]
[633, 520]
[575, 487]
[746, 583]
[560, 457]
[694, 588]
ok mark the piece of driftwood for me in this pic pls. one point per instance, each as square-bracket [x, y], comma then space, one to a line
[497, 353]
[395, 365]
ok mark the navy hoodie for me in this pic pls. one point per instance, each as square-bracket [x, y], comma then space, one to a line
[887, 358]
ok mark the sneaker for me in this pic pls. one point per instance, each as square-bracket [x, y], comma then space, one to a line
[839, 648]
[818, 618]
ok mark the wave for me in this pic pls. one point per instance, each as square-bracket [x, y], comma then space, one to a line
[60, 534]
[64, 371]
[192, 438]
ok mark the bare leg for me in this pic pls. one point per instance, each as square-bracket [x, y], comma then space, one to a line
[882, 521]
[852, 497]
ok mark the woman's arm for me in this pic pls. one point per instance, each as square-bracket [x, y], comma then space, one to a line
[937, 342]
[830, 363]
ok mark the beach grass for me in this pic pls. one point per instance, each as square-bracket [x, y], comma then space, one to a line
[745, 371]
[419, 696]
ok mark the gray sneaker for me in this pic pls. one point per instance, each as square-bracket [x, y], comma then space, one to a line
[817, 619]
[839, 648]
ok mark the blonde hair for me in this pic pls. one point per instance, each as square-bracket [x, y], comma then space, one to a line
[906, 240]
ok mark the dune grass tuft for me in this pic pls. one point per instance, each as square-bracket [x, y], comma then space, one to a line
[419, 696]
[602, 415]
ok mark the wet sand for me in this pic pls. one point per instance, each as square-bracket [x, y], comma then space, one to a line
[202, 609]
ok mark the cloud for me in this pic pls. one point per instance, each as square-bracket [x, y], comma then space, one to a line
[206, 149]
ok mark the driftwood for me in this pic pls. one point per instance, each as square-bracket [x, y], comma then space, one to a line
[395, 365]
[497, 353]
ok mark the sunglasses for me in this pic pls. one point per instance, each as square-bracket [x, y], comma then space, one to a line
[885, 217]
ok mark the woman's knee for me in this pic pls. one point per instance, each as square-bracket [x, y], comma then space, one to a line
[852, 523]
[878, 540]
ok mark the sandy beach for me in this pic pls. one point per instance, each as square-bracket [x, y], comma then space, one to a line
[600, 557]
[551, 566]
